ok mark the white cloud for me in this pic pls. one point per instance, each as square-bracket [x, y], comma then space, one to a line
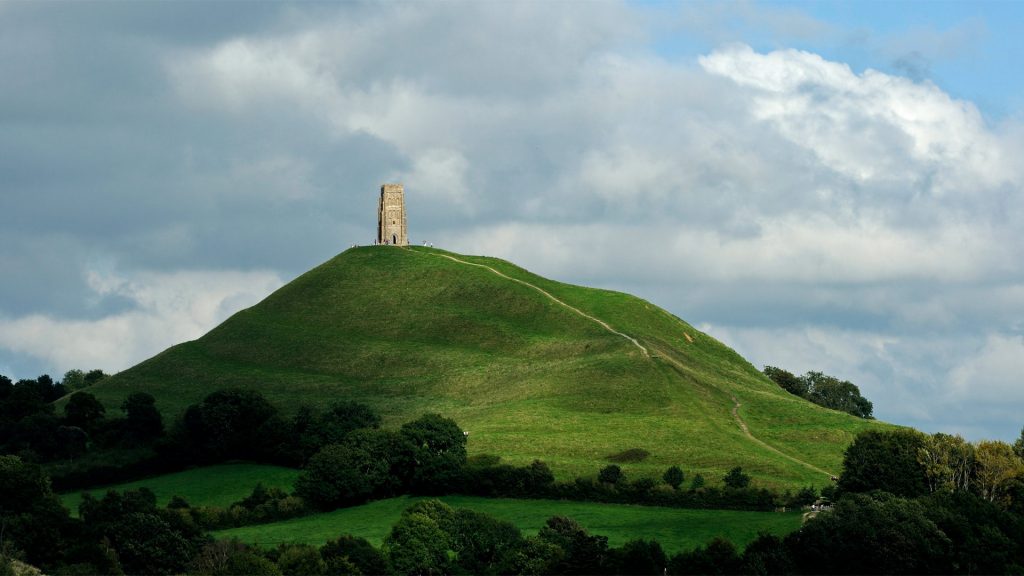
[868, 126]
[994, 373]
[166, 309]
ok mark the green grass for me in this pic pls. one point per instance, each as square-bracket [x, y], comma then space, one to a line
[218, 485]
[676, 529]
[408, 332]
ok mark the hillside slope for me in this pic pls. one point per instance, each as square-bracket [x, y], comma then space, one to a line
[532, 368]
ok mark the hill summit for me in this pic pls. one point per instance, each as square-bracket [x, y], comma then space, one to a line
[529, 367]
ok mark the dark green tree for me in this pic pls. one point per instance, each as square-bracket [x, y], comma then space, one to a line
[584, 553]
[83, 410]
[697, 482]
[73, 380]
[718, 557]
[874, 533]
[787, 381]
[534, 555]
[437, 450]
[339, 475]
[228, 424]
[673, 477]
[357, 552]
[766, 555]
[145, 539]
[885, 460]
[34, 522]
[73, 442]
[640, 557]
[831, 392]
[335, 425]
[481, 542]
[143, 421]
[300, 560]
[736, 478]
[417, 545]
[610, 474]
[93, 376]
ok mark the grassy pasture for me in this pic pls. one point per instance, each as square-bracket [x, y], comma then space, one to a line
[218, 485]
[408, 332]
[676, 529]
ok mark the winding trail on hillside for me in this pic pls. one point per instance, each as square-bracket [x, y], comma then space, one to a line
[746, 429]
[661, 354]
[602, 323]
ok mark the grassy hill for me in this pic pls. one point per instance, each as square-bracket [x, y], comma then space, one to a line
[532, 368]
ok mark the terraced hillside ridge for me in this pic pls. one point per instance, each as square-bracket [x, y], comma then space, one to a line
[530, 367]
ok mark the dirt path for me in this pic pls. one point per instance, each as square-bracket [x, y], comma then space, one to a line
[736, 403]
[600, 322]
[745, 429]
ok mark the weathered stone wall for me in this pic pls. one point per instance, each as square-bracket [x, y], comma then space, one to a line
[391, 223]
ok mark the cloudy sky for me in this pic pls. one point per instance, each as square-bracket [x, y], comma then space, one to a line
[823, 186]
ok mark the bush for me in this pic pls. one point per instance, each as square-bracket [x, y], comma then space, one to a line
[610, 474]
[673, 477]
[736, 478]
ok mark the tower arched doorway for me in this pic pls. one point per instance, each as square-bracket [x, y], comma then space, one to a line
[394, 239]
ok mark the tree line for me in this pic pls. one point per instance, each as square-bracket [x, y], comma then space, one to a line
[823, 390]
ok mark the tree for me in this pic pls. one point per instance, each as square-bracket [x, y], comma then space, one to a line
[481, 542]
[948, 462]
[787, 381]
[534, 555]
[584, 553]
[885, 460]
[333, 426]
[736, 478]
[673, 477]
[143, 421]
[874, 533]
[996, 467]
[641, 557]
[93, 376]
[766, 555]
[355, 551]
[697, 482]
[610, 474]
[31, 516]
[228, 424]
[437, 449]
[73, 380]
[1018, 445]
[146, 540]
[385, 447]
[83, 410]
[831, 392]
[338, 475]
[301, 560]
[718, 557]
[416, 545]
[73, 441]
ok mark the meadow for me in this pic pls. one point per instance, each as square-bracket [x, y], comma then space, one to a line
[219, 485]
[676, 529]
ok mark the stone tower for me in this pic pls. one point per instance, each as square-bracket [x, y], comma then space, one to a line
[391, 227]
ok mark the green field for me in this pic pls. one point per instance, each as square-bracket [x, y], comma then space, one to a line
[410, 331]
[676, 529]
[210, 486]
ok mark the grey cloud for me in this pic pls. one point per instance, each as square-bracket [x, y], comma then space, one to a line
[863, 225]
